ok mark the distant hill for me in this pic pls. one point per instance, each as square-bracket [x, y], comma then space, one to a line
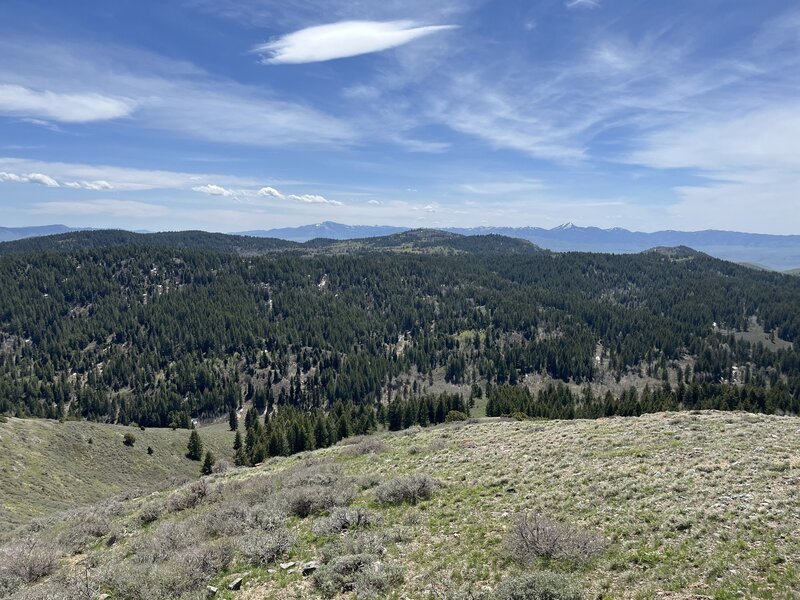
[418, 241]
[793, 272]
[9, 234]
[776, 252]
[430, 241]
[199, 240]
[779, 252]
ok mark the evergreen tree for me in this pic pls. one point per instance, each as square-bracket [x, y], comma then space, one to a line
[208, 464]
[233, 421]
[195, 446]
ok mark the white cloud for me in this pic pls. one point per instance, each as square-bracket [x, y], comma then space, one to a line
[582, 4]
[38, 178]
[105, 177]
[374, 202]
[313, 199]
[158, 93]
[214, 190]
[95, 186]
[19, 101]
[270, 192]
[498, 188]
[342, 40]
[749, 162]
[111, 208]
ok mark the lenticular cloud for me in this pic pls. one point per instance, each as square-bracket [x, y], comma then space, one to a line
[342, 40]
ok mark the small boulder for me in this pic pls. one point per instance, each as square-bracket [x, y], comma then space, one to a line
[211, 591]
[310, 567]
[287, 565]
[236, 584]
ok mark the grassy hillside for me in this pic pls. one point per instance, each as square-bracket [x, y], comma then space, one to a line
[47, 466]
[669, 505]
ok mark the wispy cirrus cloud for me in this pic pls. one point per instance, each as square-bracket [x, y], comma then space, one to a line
[20, 101]
[342, 40]
[572, 4]
[158, 94]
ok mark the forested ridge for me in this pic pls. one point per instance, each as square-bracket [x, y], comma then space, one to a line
[331, 344]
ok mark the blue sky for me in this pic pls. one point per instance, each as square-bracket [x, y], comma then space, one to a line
[231, 115]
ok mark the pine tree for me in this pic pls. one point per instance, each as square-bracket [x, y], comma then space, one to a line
[237, 441]
[208, 464]
[240, 458]
[195, 446]
[233, 421]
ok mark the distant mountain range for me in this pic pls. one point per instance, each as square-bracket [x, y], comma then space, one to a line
[774, 252]
[9, 234]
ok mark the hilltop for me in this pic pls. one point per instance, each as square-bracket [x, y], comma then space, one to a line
[678, 506]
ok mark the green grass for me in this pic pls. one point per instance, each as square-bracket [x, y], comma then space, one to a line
[47, 466]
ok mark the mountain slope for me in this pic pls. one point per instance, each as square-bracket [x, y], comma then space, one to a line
[687, 505]
[47, 466]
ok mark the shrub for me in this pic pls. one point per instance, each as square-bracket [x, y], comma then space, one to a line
[455, 415]
[233, 518]
[367, 481]
[166, 540]
[409, 488]
[359, 543]
[312, 500]
[534, 536]
[150, 512]
[354, 563]
[129, 439]
[369, 445]
[314, 473]
[378, 580]
[205, 562]
[82, 531]
[263, 548]
[27, 560]
[345, 519]
[316, 488]
[189, 496]
[539, 585]
[221, 466]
